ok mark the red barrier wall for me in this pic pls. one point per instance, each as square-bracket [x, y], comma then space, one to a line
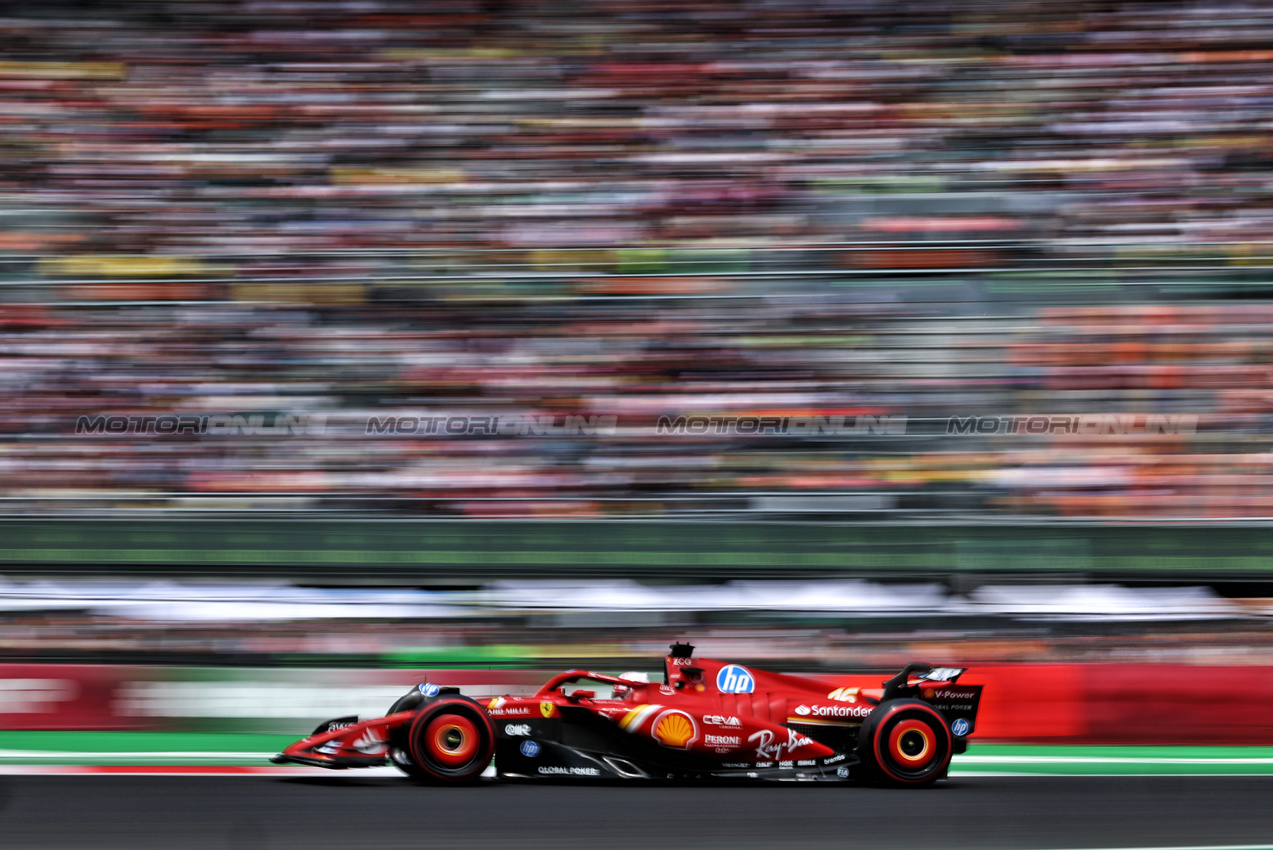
[1125, 704]
[62, 696]
[1180, 703]
[1064, 703]
[1036, 702]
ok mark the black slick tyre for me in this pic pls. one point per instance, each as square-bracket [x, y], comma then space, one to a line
[906, 742]
[451, 741]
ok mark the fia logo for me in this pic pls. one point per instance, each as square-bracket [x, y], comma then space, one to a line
[733, 679]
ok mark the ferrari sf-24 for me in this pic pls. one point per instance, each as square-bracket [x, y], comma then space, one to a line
[707, 720]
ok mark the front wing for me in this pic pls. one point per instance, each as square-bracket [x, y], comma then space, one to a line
[582, 746]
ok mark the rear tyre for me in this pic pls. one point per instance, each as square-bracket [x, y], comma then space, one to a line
[451, 741]
[907, 742]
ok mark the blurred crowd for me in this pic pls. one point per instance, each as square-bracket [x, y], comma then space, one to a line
[637, 209]
[260, 128]
[636, 363]
[835, 644]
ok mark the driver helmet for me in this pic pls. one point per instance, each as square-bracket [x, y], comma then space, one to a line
[622, 691]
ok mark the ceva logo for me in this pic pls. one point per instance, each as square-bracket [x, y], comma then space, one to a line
[733, 679]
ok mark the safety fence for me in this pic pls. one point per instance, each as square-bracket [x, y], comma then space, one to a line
[338, 550]
[996, 268]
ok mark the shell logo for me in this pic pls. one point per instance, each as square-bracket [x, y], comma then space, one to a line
[675, 729]
[845, 694]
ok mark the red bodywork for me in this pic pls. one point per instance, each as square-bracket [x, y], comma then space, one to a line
[710, 717]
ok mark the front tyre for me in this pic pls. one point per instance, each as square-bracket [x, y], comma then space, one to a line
[451, 741]
[908, 742]
[401, 759]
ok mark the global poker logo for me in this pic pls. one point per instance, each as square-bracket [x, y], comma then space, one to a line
[733, 679]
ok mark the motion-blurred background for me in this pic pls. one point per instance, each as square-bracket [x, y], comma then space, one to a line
[472, 337]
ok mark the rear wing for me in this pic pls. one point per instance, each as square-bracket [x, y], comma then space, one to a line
[938, 686]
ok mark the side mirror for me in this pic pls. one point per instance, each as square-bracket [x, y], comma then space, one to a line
[578, 695]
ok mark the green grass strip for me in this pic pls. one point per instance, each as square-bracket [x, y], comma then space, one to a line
[222, 748]
[1082, 760]
[233, 748]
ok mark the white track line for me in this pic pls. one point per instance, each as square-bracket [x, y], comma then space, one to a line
[1192, 847]
[231, 771]
[163, 755]
[977, 774]
[1107, 760]
[195, 770]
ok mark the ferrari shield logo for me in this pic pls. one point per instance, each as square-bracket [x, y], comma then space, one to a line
[547, 709]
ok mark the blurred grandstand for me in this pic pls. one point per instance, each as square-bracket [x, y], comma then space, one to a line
[638, 210]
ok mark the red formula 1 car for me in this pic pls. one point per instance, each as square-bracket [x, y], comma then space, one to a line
[709, 719]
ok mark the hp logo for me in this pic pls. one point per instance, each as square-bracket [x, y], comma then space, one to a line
[529, 749]
[959, 727]
[733, 679]
[429, 689]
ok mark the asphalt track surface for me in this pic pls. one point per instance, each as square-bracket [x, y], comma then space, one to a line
[346, 810]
